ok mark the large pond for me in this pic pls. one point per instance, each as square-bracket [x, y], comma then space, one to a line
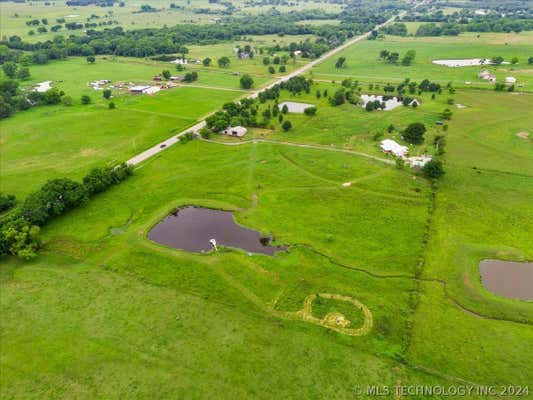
[508, 278]
[192, 228]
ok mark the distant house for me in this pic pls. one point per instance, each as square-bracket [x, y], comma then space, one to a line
[391, 147]
[298, 53]
[144, 89]
[238, 131]
[138, 89]
[180, 61]
[157, 78]
[177, 78]
[510, 80]
[486, 75]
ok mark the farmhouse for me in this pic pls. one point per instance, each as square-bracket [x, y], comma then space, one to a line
[180, 61]
[391, 147]
[177, 78]
[510, 79]
[138, 89]
[486, 75]
[238, 131]
[144, 89]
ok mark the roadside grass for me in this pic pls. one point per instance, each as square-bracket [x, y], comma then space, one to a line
[58, 141]
[362, 61]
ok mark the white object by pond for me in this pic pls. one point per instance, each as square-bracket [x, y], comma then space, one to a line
[213, 243]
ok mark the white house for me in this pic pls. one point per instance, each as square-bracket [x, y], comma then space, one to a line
[510, 79]
[238, 131]
[144, 89]
[391, 147]
[180, 61]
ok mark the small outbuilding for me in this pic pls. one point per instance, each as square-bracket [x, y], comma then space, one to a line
[510, 80]
[138, 89]
[237, 131]
[418, 161]
[389, 146]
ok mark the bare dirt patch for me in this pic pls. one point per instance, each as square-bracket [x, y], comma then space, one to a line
[523, 135]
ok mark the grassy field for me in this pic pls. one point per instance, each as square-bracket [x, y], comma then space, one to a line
[362, 61]
[13, 16]
[349, 126]
[103, 312]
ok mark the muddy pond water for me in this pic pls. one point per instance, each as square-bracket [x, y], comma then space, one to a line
[192, 228]
[508, 278]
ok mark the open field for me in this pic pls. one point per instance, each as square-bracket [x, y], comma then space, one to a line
[67, 141]
[349, 126]
[13, 16]
[104, 312]
[362, 61]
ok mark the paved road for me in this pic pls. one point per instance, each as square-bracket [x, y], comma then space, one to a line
[174, 139]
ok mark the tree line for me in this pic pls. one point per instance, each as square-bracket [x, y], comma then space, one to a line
[19, 229]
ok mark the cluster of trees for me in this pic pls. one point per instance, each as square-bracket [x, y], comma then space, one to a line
[396, 29]
[502, 19]
[12, 99]
[19, 229]
[414, 133]
[246, 112]
[170, 40]
[190, 77]
[7, 201]
[14, 71]
[393, 57]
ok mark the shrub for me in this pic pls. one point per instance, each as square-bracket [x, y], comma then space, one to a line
[414, 133]
[6, 202]
[67, 100]
[433, 169]
[246, 81]
[111, 105]
[310, 111]
[85, 99]
[286, 125]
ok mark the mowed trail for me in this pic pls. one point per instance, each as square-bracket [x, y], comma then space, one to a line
[152, 151]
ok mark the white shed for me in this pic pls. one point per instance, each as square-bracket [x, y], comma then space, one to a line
[391, 147]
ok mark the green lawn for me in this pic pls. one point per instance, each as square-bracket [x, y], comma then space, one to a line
[103, 312]
[362, 61]
[54, 141]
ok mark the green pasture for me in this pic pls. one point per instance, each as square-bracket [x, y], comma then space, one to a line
[363, 62]
[349, 126]
[57, 141]
[13, 16]
[103, 312]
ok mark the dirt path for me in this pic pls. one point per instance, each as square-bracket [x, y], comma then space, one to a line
[303, 145]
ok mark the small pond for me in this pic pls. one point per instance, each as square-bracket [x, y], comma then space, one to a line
[508, 278]
[192, 228]
[391, 102]
[294, 107]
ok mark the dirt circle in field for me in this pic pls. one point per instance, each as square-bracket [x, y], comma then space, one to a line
[523, 135]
